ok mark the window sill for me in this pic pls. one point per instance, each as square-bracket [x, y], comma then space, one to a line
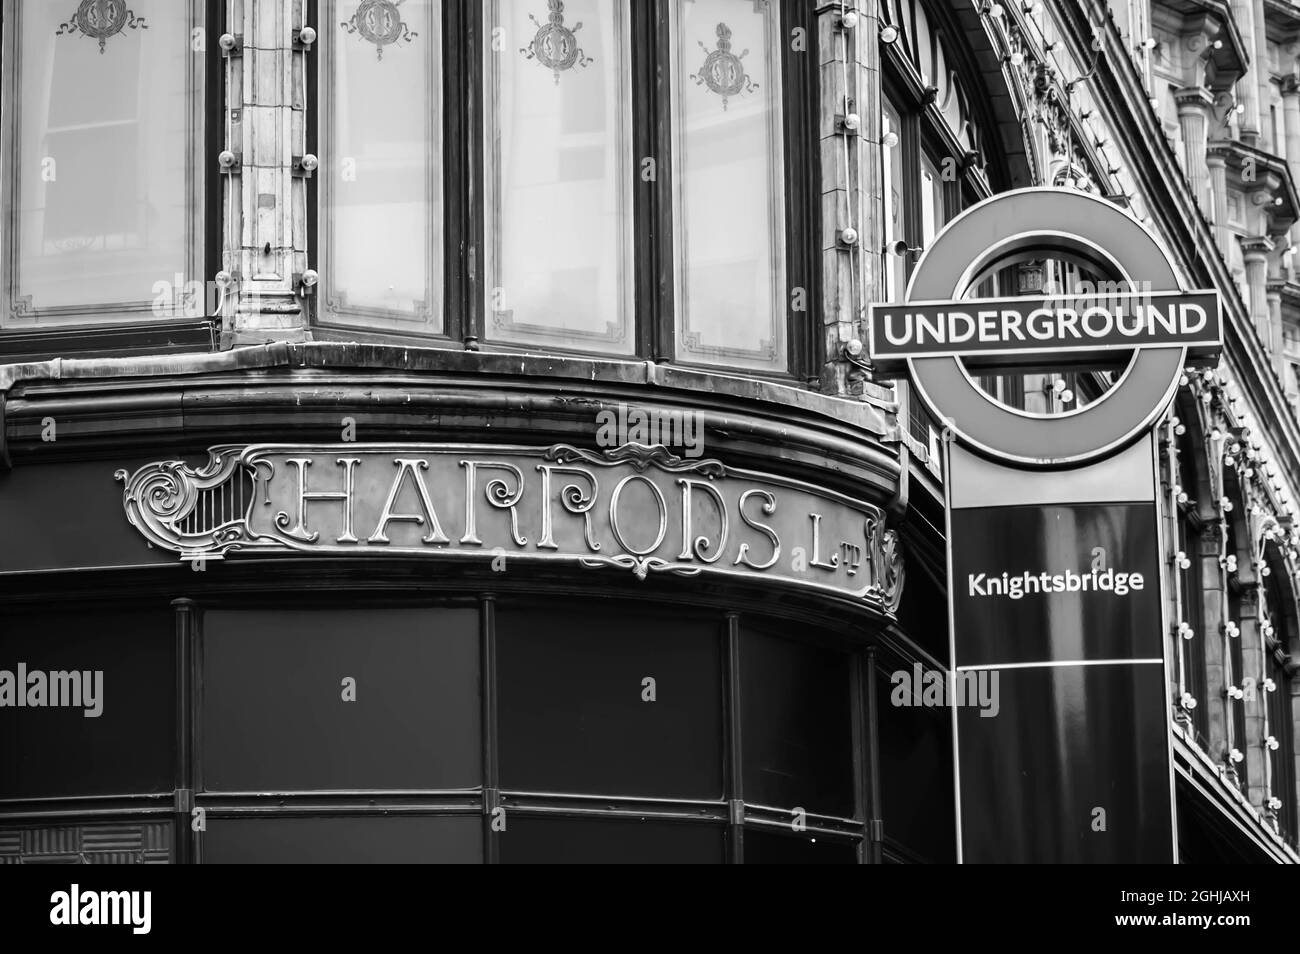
[106, 341]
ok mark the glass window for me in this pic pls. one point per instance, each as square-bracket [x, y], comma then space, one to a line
[532, 840]
[381, 133]
[894, 184]
[559, 267]
[796, 727]
[113, 731]
[916, 777]
[771, 848]
[728, 182]
[102, 201]
[340, 699]
[356, 839]
[932, 210]
[610, 703]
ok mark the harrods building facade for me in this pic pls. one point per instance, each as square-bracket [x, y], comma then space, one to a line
[316, 317]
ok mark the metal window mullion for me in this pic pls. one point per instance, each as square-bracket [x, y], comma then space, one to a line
[732, 742]
[491, 797]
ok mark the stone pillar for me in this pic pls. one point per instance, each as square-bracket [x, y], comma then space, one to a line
[1255, 256]
[1273, 296]
[1291, 127]
[1255, 703]
[1194, 108]
[1255, 253]
[1243, 12]
[1213, 615]
[268, 133]
[1217, 163]
[1259, 68]
[852, 192]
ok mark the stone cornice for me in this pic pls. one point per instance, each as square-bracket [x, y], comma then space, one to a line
[127, 406]
[1230, 60]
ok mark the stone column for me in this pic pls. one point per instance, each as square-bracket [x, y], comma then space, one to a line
[1255, 703]
[1291, 127]
[1243, 12]
[1213, 614]
[268, 134]
[1255, 256]
[852, 191]
[1273, 296]
[1258, 36]
[1194, 106]
[1217, 164]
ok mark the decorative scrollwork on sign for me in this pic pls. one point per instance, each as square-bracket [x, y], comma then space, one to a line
[101, 19]
[641, 566]
[555, 46]
[892, 570]
[196, 511]
[640, 457]
[381, 23]
[723, 72]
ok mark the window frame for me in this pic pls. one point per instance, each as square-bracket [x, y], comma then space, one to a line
[653, 250]
[130, 334]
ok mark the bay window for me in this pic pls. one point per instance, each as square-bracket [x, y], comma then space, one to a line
[104, 162]
[592, 176]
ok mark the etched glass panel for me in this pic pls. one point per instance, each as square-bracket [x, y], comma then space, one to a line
[381, 175]
[103, 157]
[558, 181]
[728, 183]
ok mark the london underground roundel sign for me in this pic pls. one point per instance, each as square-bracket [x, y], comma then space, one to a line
[1141, 310]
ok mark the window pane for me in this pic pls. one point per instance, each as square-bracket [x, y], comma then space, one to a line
[796, 730]
[275, 715]
[895, 222]
[381, 179]
[356, 839]
[916, 776]
[769, 848]
[932, 213]
[531, 840]
[558, 135]
[127, 674]
[577, 714]
[728, 182]
[106, 183]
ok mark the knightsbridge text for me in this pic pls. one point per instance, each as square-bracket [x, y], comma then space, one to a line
[1015, 586]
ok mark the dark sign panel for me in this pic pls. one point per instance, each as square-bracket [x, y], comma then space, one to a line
[1062, 603]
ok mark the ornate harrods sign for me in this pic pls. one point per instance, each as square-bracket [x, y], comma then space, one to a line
[637, 507]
